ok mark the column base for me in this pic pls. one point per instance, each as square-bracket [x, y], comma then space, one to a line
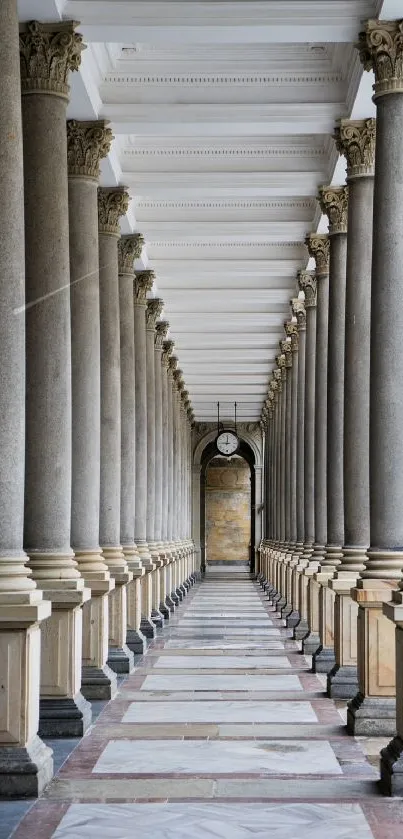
[64, 716]
[166, 614]
[286, 611]
[176, 598]
[392, 768]
[120, 659]
[157, 618]
[136, 641]
[25, 770]
[301, 630]
[98, 682]
[148, 628]
[293, 619]
[170, 604]
[372, 716]
[181, 592]
[323, 660]
[342, 682]
[311, 644]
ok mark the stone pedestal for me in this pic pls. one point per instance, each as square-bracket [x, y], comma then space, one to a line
[372, 712]
[324, 657]
[342, 681]
[98, 681]
[135, 640]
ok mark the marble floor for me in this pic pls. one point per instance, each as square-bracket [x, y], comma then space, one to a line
[221, 732]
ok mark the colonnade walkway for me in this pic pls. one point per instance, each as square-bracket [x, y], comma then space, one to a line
[221, 731]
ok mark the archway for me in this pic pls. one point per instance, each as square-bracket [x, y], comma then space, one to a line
[209, 453]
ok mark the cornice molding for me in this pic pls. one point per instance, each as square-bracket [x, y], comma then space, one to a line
[222, 80]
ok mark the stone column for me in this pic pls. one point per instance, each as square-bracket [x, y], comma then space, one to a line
[143, 284]
[26, 764]
[291, 329]
[153, 312]
[306, 567]
[334, 203]
[167, 454]
[355, 139]
[179, 385]
[161, 487]
[381, 49]
[298, 310]
[47, 54]
[112, 204]
[129, 250]
[286, 350]
[318, 248]
[276, 553]
[171, 471]
[87, 143]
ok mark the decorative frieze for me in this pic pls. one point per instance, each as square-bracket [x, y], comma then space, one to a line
[87, 144]
[48, 53]
[153, 312]
[318, 245]
[333, 201]
[381, 49]
[142, 286]
[355, 138]
[129, 249]
[112, 204]
[307, 284]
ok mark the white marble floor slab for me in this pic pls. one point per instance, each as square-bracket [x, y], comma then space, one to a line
[219, 757]
[222, 681]
[222, 662]
[220, 622]
[211, 820]
[220, 712]
[199, 632]
[210, 644]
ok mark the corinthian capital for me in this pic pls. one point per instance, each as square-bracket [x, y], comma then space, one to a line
[167, 350]
[355, 138]
[299, 312]
[333, 201]
[142, 285]
[291, 330]
[129, 249]
[285, 347]
[112, 204]
[307, 284]
[381, 50]
[161, 331]
[278, 375]
[318, 245]
[48, 52]
[153, 311]
[87, 143]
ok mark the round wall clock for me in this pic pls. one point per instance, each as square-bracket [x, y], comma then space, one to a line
[227, 443]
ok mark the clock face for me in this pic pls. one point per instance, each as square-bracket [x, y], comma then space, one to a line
[227, 442]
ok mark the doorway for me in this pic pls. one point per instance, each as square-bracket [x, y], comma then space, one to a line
[228, 511]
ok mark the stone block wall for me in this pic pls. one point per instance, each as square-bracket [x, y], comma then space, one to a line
[228, 492]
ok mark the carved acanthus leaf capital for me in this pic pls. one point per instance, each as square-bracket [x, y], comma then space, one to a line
[173, 363]
[113, 203]
[333, 201]
[129, 249]
[291, 330]
[299, 312]
[355, 138]
[153, 312]
[48, 53]
[318, 245]
[167, 350]
[278, 375]
[161, 331]
[178, 379]
[381, 50]
[87, 143]
[285, 347]
[307, 284]
[142, 285]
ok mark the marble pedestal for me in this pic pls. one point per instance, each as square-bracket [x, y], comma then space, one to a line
[342, 680]
[98, 681]
[120, 657]
[372, 712]
[324, 658]
[312, 641]
[135, 639]
[63, 710]
[392, 755]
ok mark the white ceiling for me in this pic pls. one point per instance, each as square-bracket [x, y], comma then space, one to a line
[223, 112]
